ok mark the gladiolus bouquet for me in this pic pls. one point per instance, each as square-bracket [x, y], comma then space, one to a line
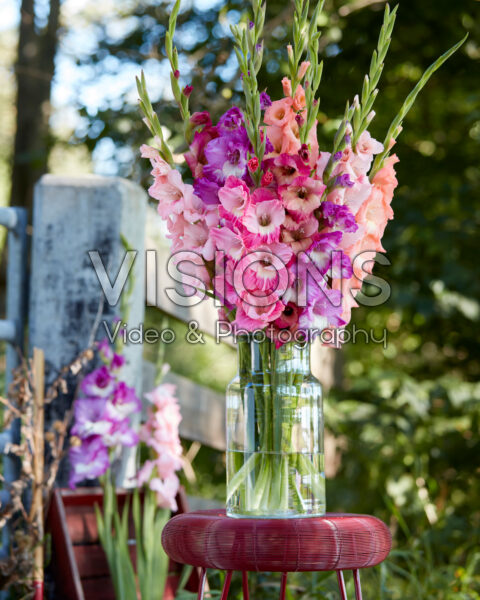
[279, 231]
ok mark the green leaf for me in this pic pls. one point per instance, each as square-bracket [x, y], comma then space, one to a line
[394, 129]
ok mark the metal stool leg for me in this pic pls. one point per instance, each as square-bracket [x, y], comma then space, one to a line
[201, 584]
[245, 585]
[283, 586]
[358, 587]
[226, 585]
[341, 585]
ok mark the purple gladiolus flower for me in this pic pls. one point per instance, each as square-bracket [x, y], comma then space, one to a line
[230, 121]
[98, 383]
[225, 157]
[117, 361]
[88, 460]
[265, 101]
[206, 190]
[120, 433]
[125, 400]
[105, 350]
[344, 180]
[90, 417]
[338, 217]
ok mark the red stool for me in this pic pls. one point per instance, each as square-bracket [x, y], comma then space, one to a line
[336, 542]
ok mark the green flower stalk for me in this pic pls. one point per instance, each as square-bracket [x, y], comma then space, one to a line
[151, 120]
[300, 29]
[181, 96]
[363, 114]
[339, 144]
[396, 126]
[313, 76]
[249, 51]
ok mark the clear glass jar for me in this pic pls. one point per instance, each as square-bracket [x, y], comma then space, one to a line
[275, 460]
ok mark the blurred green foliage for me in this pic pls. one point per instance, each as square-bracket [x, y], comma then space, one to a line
[407, 415]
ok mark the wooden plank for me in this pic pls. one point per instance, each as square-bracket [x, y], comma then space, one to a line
[203, 410]
[65, 572]
[98, 588]
[91, 561]
[82, 524]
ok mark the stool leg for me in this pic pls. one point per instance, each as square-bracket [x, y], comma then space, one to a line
[283, 586]
[226, 585]
[201, 584]
[356, 581]
[341, 585]
[245, 585]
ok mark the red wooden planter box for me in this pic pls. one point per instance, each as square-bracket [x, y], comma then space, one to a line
[78, 564]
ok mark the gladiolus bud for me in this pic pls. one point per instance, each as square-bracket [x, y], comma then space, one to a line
[187, 90]
[300, 120]
[303, 69]
[253, 164]
[176, 73]
[287, 86]
[370, 116]
[290, 51]
[267, 178]
[304, 153]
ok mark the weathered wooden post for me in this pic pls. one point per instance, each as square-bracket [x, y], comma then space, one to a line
[77, 223]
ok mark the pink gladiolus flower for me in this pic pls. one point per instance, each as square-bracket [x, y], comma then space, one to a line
[263, 218]
[289, 317]
[252, 317]
[302, 196]
[166, 491]
[301, 235]
[160, 433]
[299, 102]
[172, 194]
[229, 241]
[234, 196]
[160, 167]
[265, 269]
[197, 238]
[286, 168]
[279, 113]
[374, 215]
[195, 157]
[366, 147]
[146, 471]
[355, 196]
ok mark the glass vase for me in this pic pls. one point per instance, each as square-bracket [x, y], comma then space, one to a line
[275, 460]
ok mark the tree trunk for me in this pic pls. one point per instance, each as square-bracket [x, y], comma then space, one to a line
[34, 73]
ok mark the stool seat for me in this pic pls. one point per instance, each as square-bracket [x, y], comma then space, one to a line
[211, 540]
